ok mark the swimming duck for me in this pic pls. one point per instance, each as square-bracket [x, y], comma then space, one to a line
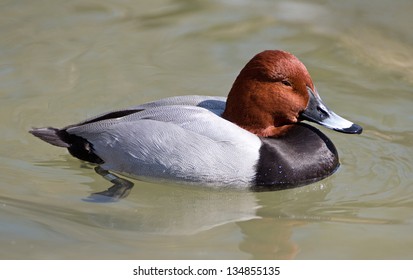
[253, 139]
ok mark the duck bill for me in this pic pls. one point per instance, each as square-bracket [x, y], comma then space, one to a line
[318, 112]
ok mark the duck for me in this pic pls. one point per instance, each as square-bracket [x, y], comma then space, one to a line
[254, 138]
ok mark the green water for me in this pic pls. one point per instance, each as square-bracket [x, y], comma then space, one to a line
[64, 61]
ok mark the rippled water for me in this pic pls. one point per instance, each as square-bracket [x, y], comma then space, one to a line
[63, 61]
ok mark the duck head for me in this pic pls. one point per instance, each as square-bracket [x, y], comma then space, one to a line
[275, 90]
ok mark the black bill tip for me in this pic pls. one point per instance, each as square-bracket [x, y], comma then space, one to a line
[353, 129]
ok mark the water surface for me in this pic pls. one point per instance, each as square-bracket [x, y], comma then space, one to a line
[63, 61]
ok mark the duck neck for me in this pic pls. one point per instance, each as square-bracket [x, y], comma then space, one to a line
[249, 112]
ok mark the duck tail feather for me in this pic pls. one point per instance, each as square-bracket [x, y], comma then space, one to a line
[50, 135]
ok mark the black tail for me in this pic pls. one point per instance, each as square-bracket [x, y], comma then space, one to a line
[77, 146]
[50, 135]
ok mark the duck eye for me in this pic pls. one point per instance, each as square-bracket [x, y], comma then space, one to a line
[287, 83]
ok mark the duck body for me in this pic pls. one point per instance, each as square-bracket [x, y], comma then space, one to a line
[216, 141]
[184, 139]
